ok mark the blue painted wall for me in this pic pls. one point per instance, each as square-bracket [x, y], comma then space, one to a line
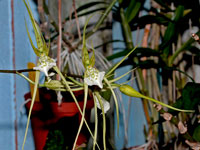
[136, 120]
[15, 54]
[6, 98]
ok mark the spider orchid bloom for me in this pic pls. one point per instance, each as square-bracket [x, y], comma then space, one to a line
[45, 64]
[106, 104]
[93, 77]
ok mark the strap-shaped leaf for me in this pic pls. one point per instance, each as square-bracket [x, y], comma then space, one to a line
[133, 9]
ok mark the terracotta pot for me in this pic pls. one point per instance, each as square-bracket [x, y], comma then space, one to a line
[46, 113]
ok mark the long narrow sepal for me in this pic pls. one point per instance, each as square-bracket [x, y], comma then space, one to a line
[85, 55]
[119, 63]
[104, 119]
[96, 123]
[116, 102]
[83, 115]
[37, 76]
[74, 98]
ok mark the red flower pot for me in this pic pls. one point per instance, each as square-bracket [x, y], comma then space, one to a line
[41, 124]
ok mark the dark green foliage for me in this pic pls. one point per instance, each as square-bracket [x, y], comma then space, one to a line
[173, 18]
[55, 141]
[190, 98]
[196, 134]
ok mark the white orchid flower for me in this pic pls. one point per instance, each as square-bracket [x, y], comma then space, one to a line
[106, 104]
[94, 77]
[45, 63]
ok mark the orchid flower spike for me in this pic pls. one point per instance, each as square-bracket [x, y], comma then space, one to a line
[92, 76]
[45, 64]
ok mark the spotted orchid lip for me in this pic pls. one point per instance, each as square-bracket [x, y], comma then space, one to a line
[94, 77]
[45, 64]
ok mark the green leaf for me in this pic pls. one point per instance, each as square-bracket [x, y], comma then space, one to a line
[184, 47]
[149, 19]
[55, 140]
[163, 4]
[132, 10]
[171, 32]
[190, 95]
[196, 134]
[139, 52]
[108, 42]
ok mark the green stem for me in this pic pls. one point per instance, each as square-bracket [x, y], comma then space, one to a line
[183, 48]
[126, 30]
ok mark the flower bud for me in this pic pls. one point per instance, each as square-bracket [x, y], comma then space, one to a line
[128, 90]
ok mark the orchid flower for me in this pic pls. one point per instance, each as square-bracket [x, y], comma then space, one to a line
[94, 77]
[45, 63]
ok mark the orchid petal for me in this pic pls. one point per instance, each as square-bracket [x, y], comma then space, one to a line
[106, 104]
